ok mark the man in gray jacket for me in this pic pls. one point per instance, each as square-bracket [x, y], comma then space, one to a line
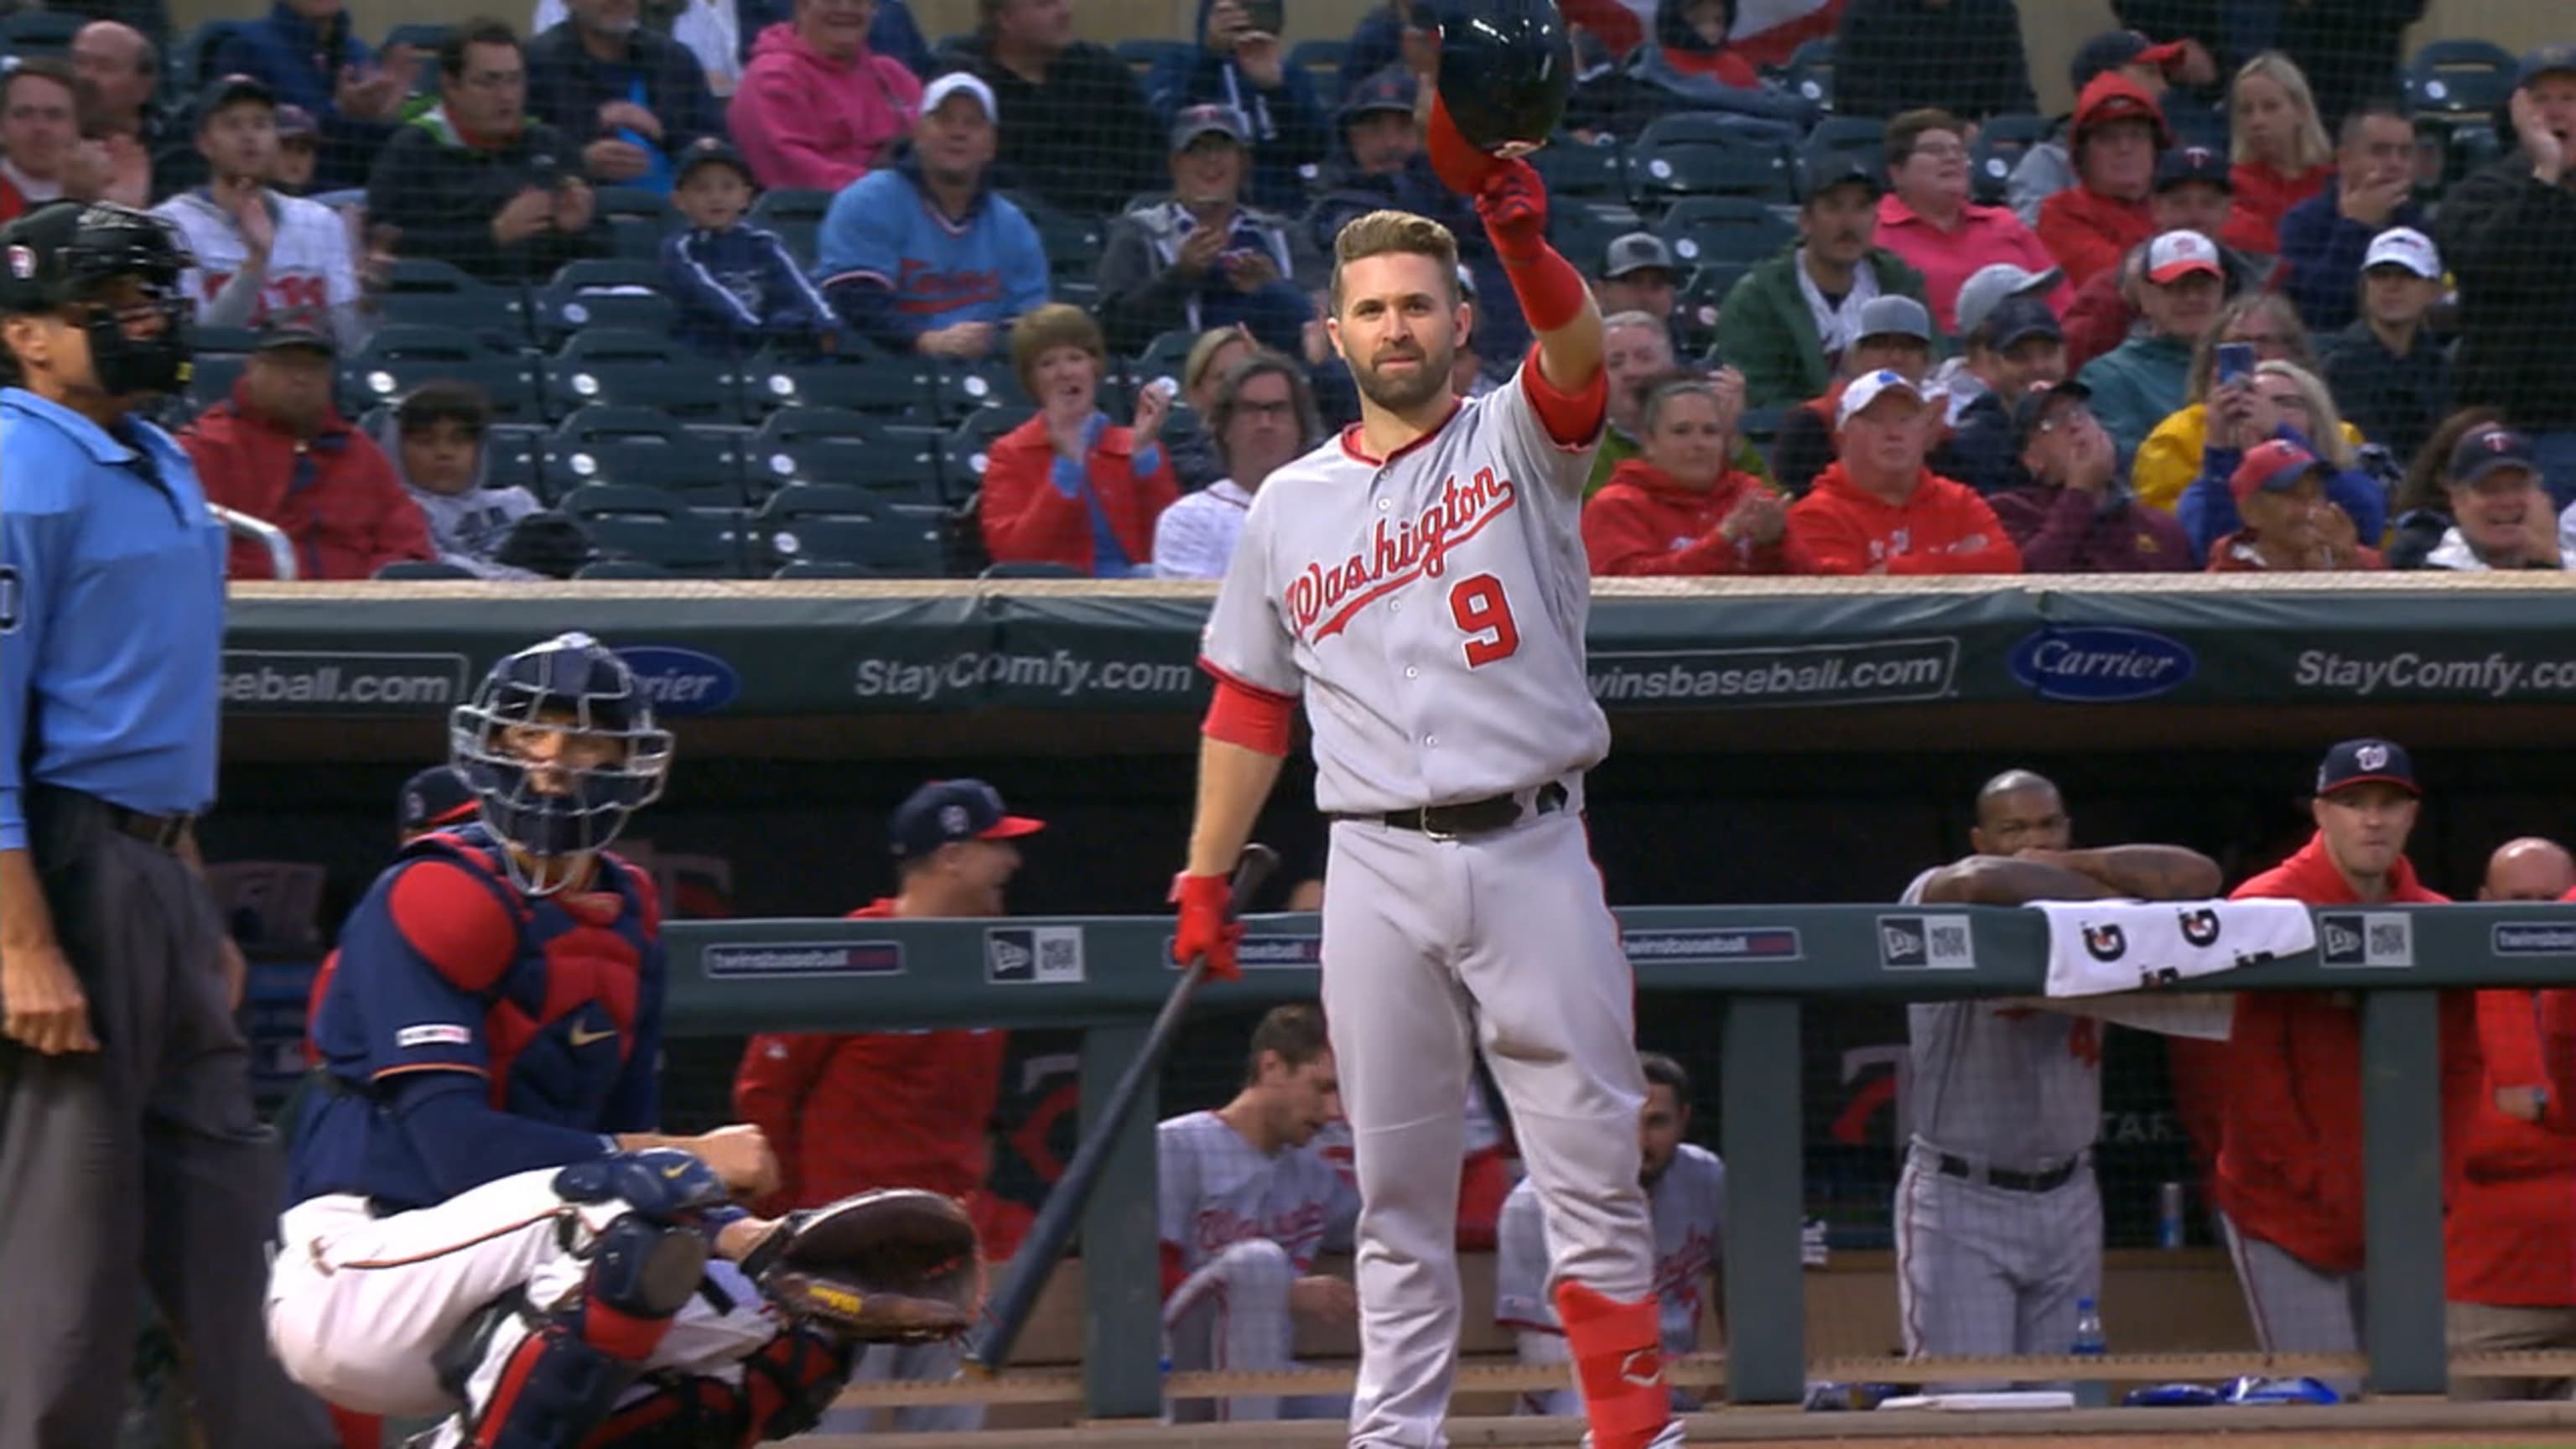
[1199, 258]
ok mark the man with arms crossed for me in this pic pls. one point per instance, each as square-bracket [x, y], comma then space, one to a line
[1421, 581]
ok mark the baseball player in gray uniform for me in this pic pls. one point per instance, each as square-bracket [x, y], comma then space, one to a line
[1998, 1219]
[1686, 1198]
[1246, 1202]
[1421, 582]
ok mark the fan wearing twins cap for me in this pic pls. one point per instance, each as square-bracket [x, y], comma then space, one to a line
[850, 1112]
[2016, 346]
[2078, 514]
[2494, 512]
[2290, 1154]
[2047, 168]
[2144, 380]
[1880, 510]
[2289, 523]
[2388, 373]
[2195, 190]
[1894, 333]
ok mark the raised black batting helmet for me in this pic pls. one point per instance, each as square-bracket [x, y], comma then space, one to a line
[1506, 67]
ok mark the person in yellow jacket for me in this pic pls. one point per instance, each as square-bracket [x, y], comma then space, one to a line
[2171, 455]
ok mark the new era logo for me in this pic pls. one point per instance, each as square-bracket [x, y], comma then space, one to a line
[1926, 943]
[1033, 955]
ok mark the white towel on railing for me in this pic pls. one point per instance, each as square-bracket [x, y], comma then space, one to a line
[2099, 947]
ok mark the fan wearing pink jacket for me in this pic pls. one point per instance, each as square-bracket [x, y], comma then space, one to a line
[816, 108]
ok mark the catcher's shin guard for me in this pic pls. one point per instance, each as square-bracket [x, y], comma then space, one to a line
[785, 1389]
[1618, 1364]
[561, 1380]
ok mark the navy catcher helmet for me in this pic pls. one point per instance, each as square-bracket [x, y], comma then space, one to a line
[560, 747]
[67, 257]
[1506, 68]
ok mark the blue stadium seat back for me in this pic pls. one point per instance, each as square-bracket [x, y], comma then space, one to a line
[1823, 158]
[962, 462]
[1810, 72]
[2462, 77]
[981, 427]
[1703, 229]
[398, 358]
[1680, 155]
[1143, 53]
[825, 569]
[902, 542]
[796, 214]
[702, 471]
[423, 291]
[1031, 569]
[800, 501]
[514, 456]
[1696, 306]
[603, 292]
[1321, 60]
[418, 568]
[656, 527]
[637, 220]
[959, 389]
[891, 467]
[641, 369]
[1073, 241]
[32, 33]
[1080, 292]
[1848, 133]
[859, 379]
[1166, 356]
[190, 58]
[622, 568]
[604, 421]
[801, 424]
[1583, 230]
[2002, 141]
[1575, 169]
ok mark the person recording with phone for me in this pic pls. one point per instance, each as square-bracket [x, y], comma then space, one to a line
[1241, 62]
[2254, 403]
[474, 182]
[1199, 258]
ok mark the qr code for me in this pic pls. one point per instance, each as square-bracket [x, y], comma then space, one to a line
[1949, 943]
[2390, 938]
[1059, 957]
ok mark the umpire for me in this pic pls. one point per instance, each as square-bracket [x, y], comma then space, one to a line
[128, 1145]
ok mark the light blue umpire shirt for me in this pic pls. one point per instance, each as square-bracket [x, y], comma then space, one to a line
[111, 615]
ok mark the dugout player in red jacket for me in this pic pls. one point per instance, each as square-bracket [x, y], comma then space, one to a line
[2290, 1152]
[855, 1111]
[483, 1222]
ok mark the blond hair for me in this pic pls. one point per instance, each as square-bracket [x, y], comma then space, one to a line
[2309, 147]
[1057, 324]
[2325, 425]
[1203, 352]
[1395, 233]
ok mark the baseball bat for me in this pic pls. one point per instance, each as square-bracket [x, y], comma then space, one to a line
[988, 1349]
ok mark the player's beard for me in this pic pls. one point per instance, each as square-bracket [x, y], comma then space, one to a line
[1403, 394]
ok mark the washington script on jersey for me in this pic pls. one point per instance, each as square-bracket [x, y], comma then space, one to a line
[1399, 551]
[1300, 1230]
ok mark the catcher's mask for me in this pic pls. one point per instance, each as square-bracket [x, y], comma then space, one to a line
[66, 259]
[559, 747]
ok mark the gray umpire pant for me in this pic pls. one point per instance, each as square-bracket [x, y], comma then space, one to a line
[142, 1165]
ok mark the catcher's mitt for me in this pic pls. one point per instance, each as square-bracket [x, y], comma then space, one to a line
[898, 1265]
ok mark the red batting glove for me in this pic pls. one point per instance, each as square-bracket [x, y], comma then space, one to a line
[1513, 205]
[1205, 931]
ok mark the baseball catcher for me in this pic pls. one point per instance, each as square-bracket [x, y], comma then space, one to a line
[485, 1223]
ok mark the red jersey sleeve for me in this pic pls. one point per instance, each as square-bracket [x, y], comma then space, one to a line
[778, 1072]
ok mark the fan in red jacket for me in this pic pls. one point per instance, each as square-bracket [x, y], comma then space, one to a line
[1067, 487]
[2509, 1234]
[1880, 510]
[280, 451]
[2118, 132]
[1682, 507]
[2290, 1155]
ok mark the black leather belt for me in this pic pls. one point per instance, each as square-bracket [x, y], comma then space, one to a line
[2008, 1181]
[164, 832]
[1469, 817]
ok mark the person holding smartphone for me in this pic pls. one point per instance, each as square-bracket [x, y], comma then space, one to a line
[1242, 62]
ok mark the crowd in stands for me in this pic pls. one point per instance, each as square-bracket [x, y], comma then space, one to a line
[753, 287]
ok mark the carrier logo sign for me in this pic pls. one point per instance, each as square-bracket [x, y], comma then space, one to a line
[742, 961]
[1033, 955]
[1926, 943]
[2366, 940]
[682, 681]
[2101, 665]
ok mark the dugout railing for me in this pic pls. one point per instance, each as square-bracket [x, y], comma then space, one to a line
[1109, 975]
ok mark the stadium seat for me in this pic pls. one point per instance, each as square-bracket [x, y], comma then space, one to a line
[513, 455]
[958, 389]
[1072, 242]
[1827, 156]
[622, 568]
[1810, 72]
[1031, 570]
[2461, 79]
[847, 525]
[1848, 133]
[1587, 170]
[1703, 229]
[625, 292]
[1584, 230]
[894, 465]
[615, 365]
[796, 214]
[637, 219]
[1321, 60]
[1143, 53]
[41, 32]
[1696, 308]
[1168, 355]
[982, 426]
[189, 59]
[426, 292]
[2001, 143]
[1687, 154]
[398, 358]
[652, 526]
[418, 568]
[834, 568]
[864, 381]
[643, 447]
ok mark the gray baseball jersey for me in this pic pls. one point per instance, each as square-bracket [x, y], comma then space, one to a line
[2011, 1087]
[1688, 1207]
[1217, 1191]
[1430, 607]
